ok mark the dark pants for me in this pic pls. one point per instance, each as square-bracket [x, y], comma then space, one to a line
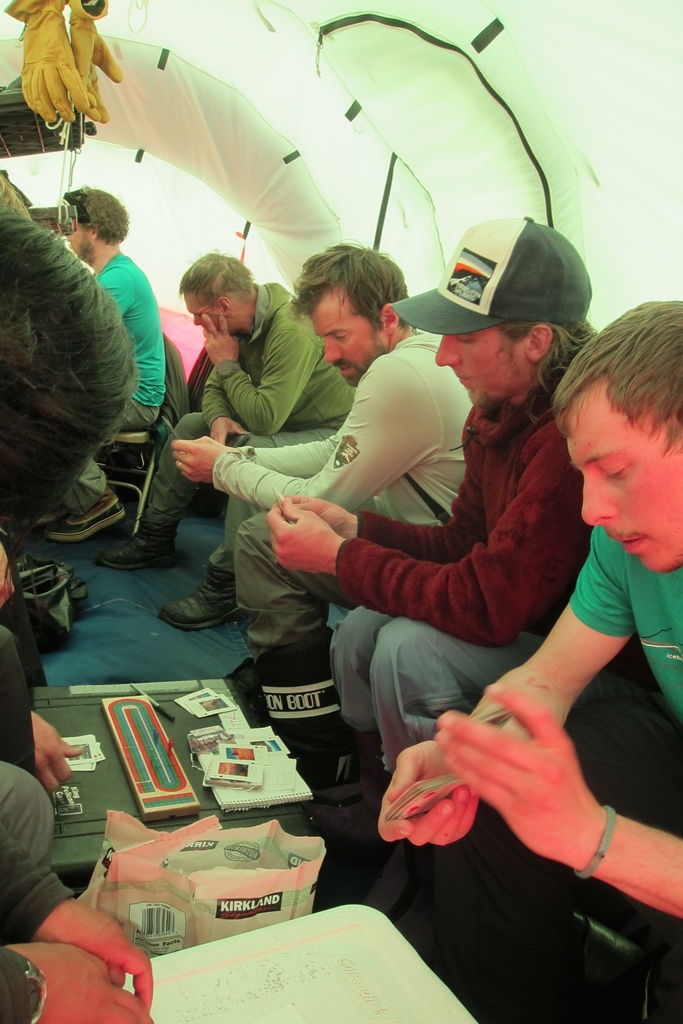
[16, 729]
[505, 936]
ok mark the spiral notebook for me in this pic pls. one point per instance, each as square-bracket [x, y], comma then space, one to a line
[281, 783]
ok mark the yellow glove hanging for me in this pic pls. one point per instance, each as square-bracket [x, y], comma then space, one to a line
[90, 51]
[49, 80]
[20, 9]
[94, 9]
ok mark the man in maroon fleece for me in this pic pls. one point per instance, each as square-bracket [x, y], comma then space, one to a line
[448, 609]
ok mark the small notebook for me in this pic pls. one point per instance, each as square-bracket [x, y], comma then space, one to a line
[282, 783]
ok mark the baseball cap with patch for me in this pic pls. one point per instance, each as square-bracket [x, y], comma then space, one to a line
[504, 270]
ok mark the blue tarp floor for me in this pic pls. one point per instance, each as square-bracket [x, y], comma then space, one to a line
[117, 636]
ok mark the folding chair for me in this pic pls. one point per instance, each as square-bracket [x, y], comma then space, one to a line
[131, 459]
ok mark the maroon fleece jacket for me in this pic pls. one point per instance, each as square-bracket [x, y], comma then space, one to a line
[507, 559]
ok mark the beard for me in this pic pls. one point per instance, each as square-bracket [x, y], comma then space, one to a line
[488, 404]
[86, 251]
[356, 370]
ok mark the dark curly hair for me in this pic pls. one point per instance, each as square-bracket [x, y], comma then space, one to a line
[66, 368]
[106, 213]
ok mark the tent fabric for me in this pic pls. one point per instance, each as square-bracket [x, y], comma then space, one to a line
[398, 124]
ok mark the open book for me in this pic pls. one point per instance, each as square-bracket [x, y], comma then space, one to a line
[246, 767]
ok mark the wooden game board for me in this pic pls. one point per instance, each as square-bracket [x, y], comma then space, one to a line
[159, 783]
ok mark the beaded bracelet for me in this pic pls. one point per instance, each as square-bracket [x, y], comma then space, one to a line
[603, 847]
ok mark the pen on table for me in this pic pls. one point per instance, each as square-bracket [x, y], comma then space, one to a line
[155, 703]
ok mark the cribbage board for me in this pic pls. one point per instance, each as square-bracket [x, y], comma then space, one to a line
[159, 783]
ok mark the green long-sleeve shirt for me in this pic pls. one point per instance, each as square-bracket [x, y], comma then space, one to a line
[281, 381]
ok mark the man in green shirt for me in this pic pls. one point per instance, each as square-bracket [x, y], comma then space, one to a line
[91, 505]
[270, 385]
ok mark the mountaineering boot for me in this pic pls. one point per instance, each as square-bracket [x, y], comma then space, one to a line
[303, 705]
[151, 547]
[212, 603]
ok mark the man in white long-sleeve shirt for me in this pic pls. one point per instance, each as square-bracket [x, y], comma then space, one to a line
[400, 449]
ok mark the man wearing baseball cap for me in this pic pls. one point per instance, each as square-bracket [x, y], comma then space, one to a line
[445, 610]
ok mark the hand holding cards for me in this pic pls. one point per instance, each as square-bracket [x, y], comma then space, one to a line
[422, 796]
[279, 500]
[90, 755]
[426, 793]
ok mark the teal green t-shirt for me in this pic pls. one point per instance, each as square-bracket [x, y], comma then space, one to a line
[133, 294]
[616, 595]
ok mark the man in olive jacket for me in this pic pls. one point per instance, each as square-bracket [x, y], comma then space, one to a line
[270, 385]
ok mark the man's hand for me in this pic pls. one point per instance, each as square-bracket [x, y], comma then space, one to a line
[302, 540]
[447, 821]
[102, 937]
[218, 341]
[51, 754]
[344, 523]
[223, 426]
[196, 459]
[80, 987]
[535, 783]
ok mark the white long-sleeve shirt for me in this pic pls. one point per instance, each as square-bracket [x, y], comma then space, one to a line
[407, 417]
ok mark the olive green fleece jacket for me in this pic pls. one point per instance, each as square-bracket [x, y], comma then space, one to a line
[281, 381]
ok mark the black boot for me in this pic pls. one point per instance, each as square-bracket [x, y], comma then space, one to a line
[212, 603]
[348, 824]
[374, 778]
[244, 687]
[303, 706]
[152, 547]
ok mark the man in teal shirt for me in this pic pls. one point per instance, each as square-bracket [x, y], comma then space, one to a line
[604, 796]
[91, 505]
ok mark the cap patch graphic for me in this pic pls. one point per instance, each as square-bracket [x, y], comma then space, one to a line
[347, 451]
[470, 276]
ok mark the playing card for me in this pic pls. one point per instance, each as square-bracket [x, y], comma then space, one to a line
[279, 499]
[203, 703]
[426, 793]
[493, 714]
[233, 720]
[243, 752]
[90, 755]
[422, 796]
[243, 774]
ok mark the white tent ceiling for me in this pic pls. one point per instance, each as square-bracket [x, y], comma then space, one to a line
[570, 115]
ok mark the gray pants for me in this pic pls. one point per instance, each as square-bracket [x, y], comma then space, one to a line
[396, 676]
[26, 812]
[92, 483]
[171, 492]
[285, 607]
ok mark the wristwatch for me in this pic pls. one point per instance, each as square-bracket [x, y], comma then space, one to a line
[38, 988]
